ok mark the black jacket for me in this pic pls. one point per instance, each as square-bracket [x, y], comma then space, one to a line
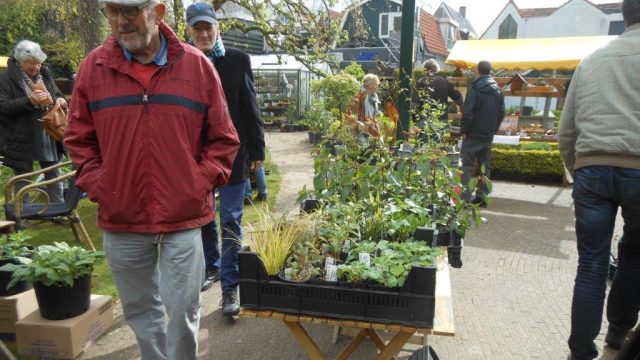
[20, 130]
[438, 89]
[483, 109]
[235, 73]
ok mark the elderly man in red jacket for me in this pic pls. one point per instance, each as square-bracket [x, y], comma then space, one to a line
[150, 134]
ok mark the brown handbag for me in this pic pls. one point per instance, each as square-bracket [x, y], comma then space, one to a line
[54, 122]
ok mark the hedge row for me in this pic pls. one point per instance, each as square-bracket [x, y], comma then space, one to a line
[537, 166]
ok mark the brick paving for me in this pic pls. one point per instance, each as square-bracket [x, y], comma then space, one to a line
[511, 298]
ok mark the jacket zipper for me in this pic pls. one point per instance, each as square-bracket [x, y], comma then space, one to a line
[145, 101]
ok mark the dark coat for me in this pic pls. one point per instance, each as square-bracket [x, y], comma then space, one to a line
[483, 109]
[439, 89]
[20, 130]
[235, 73]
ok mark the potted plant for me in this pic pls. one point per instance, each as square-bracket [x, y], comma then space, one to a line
[11, 250]
[61, 277]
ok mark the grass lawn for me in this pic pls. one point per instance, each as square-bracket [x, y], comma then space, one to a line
[102, 283]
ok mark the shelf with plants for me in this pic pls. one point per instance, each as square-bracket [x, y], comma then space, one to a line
[356, 256]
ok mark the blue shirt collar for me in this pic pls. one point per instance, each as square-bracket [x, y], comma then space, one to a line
[161, 58]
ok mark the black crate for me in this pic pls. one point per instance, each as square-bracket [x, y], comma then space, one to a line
[413, 304]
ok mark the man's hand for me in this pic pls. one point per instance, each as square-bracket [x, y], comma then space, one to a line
[255, 165]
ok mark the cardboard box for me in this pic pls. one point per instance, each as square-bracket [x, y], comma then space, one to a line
[12, 309]
[64, 339]
[16, 307]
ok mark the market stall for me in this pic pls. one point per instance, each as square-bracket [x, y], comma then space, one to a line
[522, 54]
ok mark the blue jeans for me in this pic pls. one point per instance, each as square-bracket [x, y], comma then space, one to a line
[473, 149]
[598, 191]
[231, 206]
[261, 183]
[152, 270]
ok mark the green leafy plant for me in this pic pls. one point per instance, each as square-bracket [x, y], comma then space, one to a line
[16, 245]
[317, 117]
[54, 265]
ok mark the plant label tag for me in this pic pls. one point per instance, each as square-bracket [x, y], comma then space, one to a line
[287, 273]
[329, 261]
[365, 258]
[331, 273]
[347, 245]
[434, 241]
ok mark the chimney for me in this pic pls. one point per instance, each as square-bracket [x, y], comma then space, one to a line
[463, 11]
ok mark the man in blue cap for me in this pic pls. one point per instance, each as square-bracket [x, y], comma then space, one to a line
[234, 68]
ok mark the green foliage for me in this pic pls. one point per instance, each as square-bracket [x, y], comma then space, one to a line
[356, 70]
[336, 90]
[20, 20]
[54, 265]
[527, 164]
[64, 56]
[390, 263]
[317, 117]
[16, 245]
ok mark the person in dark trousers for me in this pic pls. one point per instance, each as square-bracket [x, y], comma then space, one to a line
[150, 134]
[27, 91]
[483, 114]
[599, 143]
[234, 68]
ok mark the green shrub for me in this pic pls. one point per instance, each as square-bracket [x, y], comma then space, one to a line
[527, 165]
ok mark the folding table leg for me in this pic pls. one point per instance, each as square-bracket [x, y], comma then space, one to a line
[394, 346]
[353, 345]
[305, 340]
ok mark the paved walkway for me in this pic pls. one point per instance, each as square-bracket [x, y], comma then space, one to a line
[511, 298]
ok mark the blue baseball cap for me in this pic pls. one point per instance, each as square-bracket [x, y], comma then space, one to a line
[200, 12]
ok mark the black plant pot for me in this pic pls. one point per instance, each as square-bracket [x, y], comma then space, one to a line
[64, 302]
[310, 205]
[5, 278]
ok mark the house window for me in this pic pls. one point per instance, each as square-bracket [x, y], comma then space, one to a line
[508, 28]
[390, 25]
[616, 27]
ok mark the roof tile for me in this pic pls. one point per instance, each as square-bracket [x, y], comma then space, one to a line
[430, 31]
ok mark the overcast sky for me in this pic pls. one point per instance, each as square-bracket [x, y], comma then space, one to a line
[482, 12]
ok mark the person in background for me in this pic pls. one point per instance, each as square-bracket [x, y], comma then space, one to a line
[483, 114]
[363, 111]
[261, 184]
[150, 134]
[234, 67]
[437, 89]
[27, 91]
[600, 145]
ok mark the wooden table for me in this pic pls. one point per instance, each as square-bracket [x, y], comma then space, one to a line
[442, 325]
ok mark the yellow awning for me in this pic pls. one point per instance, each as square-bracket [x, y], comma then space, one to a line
[3, 61]
[521, 54]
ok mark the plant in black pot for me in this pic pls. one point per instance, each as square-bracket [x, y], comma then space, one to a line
[11, 250]
[61, 277]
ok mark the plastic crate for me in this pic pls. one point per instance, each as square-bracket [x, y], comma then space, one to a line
[413, 304]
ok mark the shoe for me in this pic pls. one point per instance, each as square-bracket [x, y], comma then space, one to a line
[480, 202]
[229, 303]
[247, 201]
[211, 275]
[260, 197]
[614, 339]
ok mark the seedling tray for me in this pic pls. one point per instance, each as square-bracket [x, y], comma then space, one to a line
[413, 304]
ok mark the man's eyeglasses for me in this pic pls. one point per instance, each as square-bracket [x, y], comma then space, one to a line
[129, 12]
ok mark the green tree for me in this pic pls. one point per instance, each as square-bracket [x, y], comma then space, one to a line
[337, 90]
[355, 69]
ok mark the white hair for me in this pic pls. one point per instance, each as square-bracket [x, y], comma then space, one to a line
[28, 50]
[370, 78]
